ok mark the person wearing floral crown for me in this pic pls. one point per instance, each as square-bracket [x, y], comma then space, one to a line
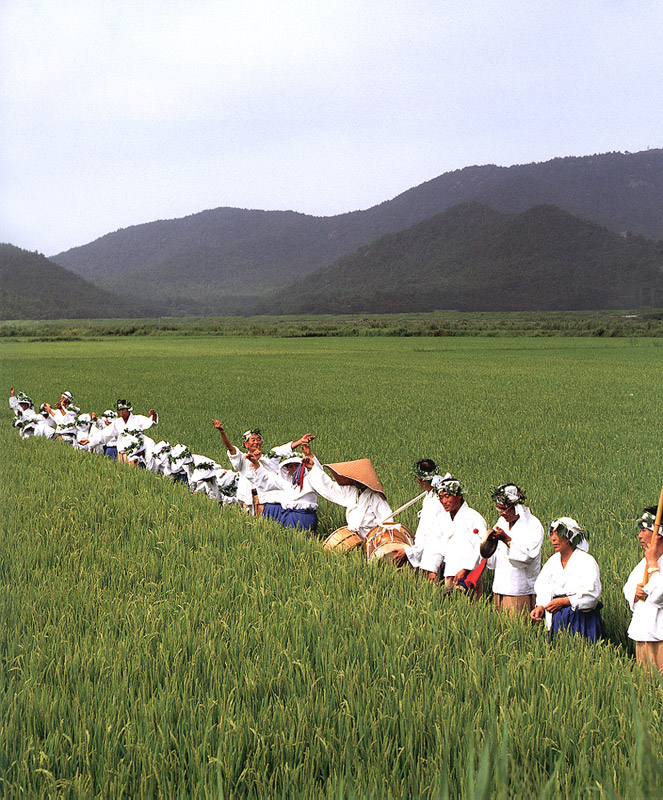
[457, 538]
[64, 414]
[424, 471]
[645, 595]
[267, 502]
[296, 498]
[123, 431]
[517, 537]
[356, 487]
[26, 418]
[569, 585]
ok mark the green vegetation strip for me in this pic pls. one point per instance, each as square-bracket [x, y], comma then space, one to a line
[155, 644]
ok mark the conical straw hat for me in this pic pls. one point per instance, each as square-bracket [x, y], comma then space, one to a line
[360, 470]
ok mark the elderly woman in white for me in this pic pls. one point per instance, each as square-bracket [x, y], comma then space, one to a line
[517, 537]
[257, 503]
[296, 498]
[644, 593]
[569, 585]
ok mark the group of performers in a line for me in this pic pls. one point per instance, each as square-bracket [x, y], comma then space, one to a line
[452, 541]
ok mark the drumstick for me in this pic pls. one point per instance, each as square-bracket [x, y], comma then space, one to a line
[656, 531]
[403, 507]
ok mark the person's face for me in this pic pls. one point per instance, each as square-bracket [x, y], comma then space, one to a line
[24, 406]
[64, 401]
[560, 543]
[124, 413]
[644, 535]
[291, 469]
[425, 486]
[254, 443]
[451, 502]
[507, 512]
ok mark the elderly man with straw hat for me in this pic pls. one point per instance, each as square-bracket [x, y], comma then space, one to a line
[644, 593]
[513, 550]
[356, 487]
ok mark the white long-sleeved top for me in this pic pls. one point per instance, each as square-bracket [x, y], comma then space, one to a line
[65, 421]
[579, 580]
[429, 524]
[460, 539]
[288, 494]
[118, 433]
[243, 466]
[27, 420]
[518, 565]
[364, 508]
[647, 620]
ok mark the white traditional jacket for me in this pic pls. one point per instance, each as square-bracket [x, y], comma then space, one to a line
[579, 581]
[517, 566]
[243, 466]
[118, 433]
[364, 508]
[429, 524]
[647, 621]
[288, 494]
[457, 539]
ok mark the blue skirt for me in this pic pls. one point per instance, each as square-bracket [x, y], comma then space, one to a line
[273, 511]
[306, 520]
[111, 452]
[584, 623]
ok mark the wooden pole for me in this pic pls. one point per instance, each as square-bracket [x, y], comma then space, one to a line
[403, 507]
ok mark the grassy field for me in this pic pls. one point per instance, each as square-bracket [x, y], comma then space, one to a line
[157, 645]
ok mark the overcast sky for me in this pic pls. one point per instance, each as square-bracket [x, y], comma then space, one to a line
[114, 113]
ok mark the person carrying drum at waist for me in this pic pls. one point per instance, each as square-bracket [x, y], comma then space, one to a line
[356, 487]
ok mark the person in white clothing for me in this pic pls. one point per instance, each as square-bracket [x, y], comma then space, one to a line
[64, 414]
[644, 593]
[517, 537]
[296, 499]
[255, 503]
[123, 431]
[356, 487]
[424, 471]
[457, 540]
[26, 418]
[569, 585]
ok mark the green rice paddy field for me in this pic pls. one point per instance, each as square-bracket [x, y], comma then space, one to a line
[154, 644]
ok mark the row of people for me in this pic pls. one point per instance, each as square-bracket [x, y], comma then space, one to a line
[452, 540]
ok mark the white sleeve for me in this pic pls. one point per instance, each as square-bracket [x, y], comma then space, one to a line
[264, 480]
[323, 485]
[588, 589]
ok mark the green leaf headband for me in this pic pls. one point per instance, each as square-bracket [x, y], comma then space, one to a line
[23, 398]
[508, 494]
[569, 529]
[422, 474]
[646, 520]
[449, 486]
[254, 432]
[121, 404]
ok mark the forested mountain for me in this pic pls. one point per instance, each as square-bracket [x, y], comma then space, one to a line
[472, 257]
[218, 260]
[33, 287]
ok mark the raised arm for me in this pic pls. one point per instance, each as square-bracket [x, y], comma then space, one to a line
[226, 441]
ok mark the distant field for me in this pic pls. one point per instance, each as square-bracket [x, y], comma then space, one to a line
[600, 324]
[157, 645]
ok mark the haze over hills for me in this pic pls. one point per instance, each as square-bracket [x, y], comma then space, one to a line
[472, 257]
[33, 287]
[223, 260]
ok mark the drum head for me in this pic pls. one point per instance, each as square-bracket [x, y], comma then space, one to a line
[383, 541]
[343, 540]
